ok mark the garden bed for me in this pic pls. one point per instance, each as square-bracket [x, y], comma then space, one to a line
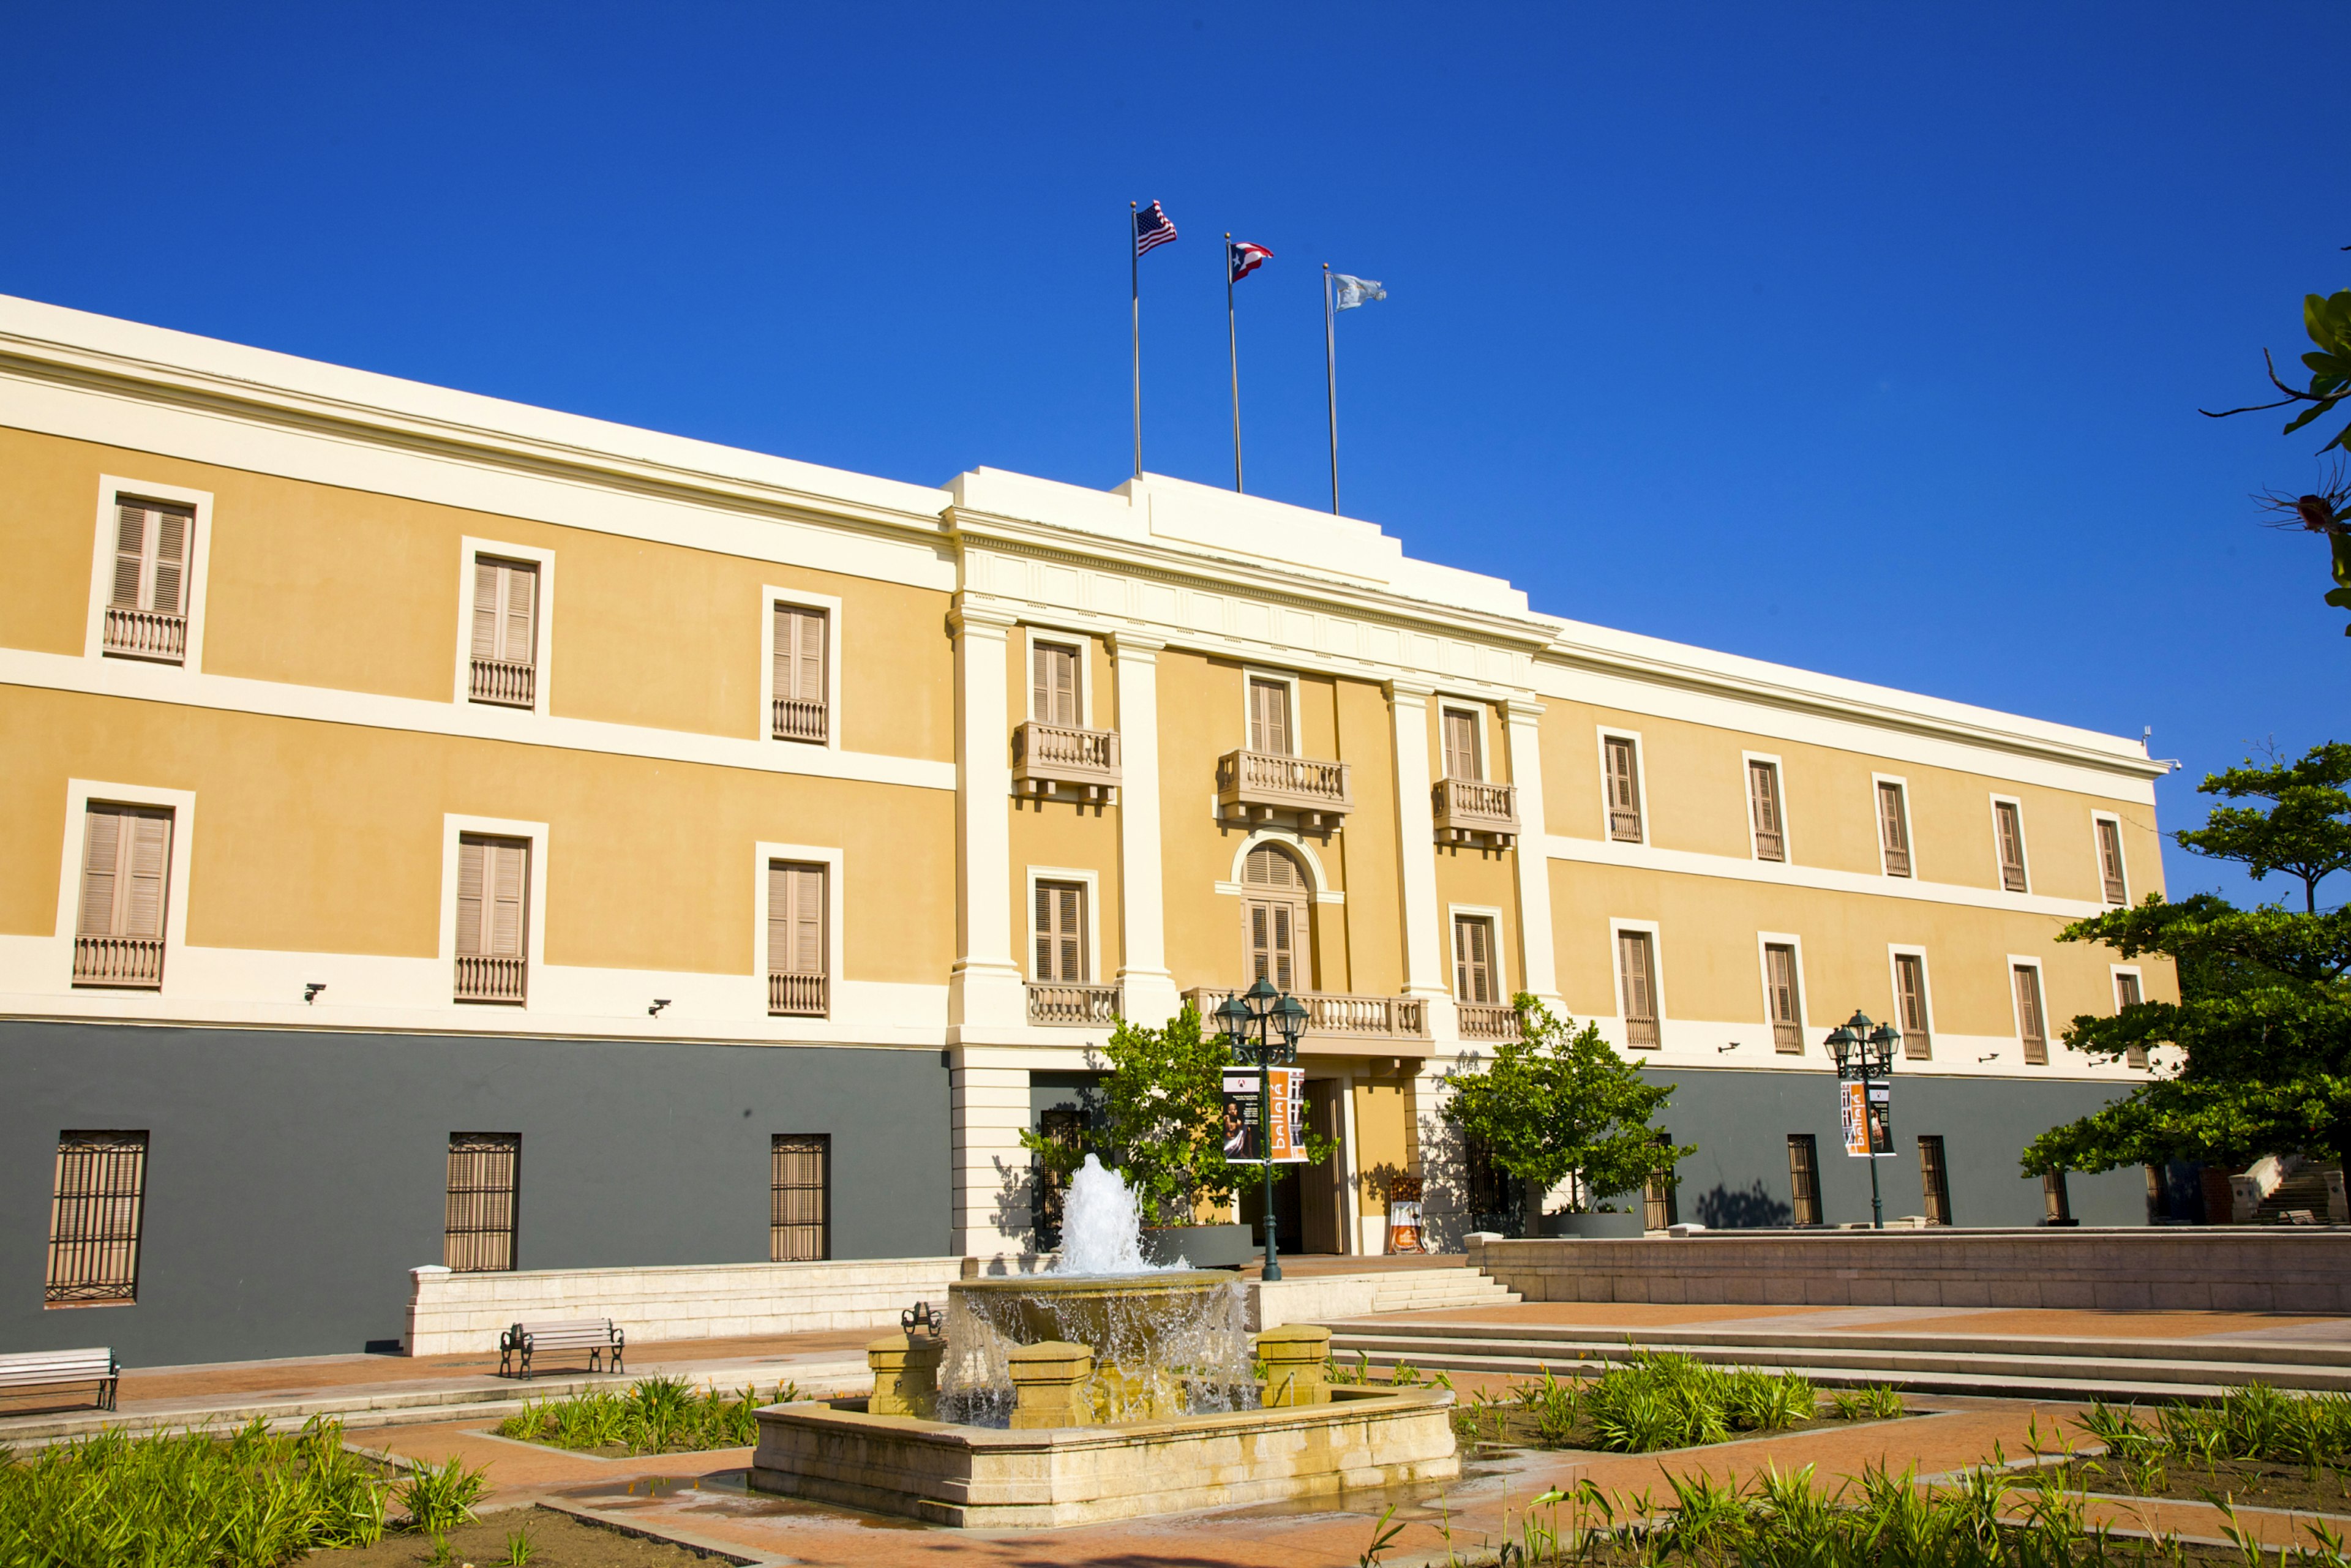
[653, 1416]
[536, 1538]
[2255, 1447]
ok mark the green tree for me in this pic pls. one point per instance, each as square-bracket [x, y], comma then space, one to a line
[1559, 1102]
[2264, 1019]
[2327, 319]
[1158, 1120]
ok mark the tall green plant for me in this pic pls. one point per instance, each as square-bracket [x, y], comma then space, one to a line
[1559, 1102]
[1159, 1120]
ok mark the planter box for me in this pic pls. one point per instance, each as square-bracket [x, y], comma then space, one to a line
[1593, 1226]
[1198, 1246]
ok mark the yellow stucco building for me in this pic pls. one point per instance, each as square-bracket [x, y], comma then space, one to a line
[437, 828]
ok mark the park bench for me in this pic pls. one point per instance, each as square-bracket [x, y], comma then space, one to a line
[597, 1336]
[59, 1368]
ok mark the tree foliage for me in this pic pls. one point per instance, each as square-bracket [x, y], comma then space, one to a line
[1559, 1102]
[2327, 320]
[2264, 1019]
[1158, 1118]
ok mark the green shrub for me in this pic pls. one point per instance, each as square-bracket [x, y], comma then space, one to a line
[654, 1415]
[252, 1501]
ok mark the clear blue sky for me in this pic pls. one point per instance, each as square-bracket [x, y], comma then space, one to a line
[1865, 338]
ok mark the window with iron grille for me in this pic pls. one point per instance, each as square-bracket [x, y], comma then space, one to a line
[800, 1204]
[2127, 995]
[1062, 1126]
[94, 1214]
[1805, 1177]
[1783, 998]
[485, 1190]
[1623, 778]
[1637, 956]
[1764, 807]
[2056, 1204]
[2008, 825]
[1933, 1175]
[1660, 1209]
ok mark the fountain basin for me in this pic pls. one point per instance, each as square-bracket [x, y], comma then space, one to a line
[833, 1451]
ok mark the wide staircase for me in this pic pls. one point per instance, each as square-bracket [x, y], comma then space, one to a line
[2304, 1189]
[1943, 1362]
[1429, 1290]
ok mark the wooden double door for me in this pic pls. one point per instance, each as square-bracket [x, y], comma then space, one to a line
[1310, 1208]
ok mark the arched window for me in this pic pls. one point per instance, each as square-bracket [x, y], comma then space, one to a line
[1277, 937]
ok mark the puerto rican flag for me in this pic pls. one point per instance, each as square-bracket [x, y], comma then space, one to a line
[1242, 258]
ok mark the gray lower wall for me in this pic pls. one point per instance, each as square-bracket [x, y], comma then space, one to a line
[1741, 1122]
[294, 1178]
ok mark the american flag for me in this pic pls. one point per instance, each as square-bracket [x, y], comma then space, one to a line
[1153, 226]
[1244, 257]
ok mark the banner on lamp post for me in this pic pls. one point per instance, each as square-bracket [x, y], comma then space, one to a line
[1868, 1112]
[1287, 1086]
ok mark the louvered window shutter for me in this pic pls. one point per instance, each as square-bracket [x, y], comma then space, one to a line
[1069, 931]
[1065, 687]
[472, 876]
[809, 916]
[2027, 1015]
[170, 582]
[1473, 960]
[1260, 938]
[1282, 935]
[519, 615]
[1044, 921]
[509, 864]
[2127, 995]
[1040, 681]
[1892, 836]
[780, 891]
[1623, 791]
[1910, 977]
[809, 671]
[1461, 745]
[1640, 985]
[101, 871]
[1763, 792]
[2110, 858]
[147, 864]
[2011, 846]
[129, 555]
[485, 608]
[1269, 718]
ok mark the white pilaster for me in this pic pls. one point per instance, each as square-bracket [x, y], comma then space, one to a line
[985, 987]
[1423, 948]
[1538, 958]
[993, 1185]
[1146, 990]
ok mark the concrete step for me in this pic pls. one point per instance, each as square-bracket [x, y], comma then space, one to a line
[2104, 1369]
[1429, 1290]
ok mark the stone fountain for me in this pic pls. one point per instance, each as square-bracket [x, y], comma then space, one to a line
[1101, 1390]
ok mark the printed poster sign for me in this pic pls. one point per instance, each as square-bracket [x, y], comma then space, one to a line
[1868, 1112]
[1289, 1088]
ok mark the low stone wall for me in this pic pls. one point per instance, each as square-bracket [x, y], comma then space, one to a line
[2210, 1267]
[450, 1312]
[1309, 1299]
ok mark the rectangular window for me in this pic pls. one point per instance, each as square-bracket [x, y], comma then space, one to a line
[1764, 807]
[492, 916]
[1623, 767]
[1781, 995]
[485, 1185]
[506, 632]
[799, 1199]
[1910, 1006]
[94, 1214]
[2031, 1027]
[1473, 958]
[2056, 1204]
[1893, 829]
[1934, 1178]
[1053, 684]
[126, 872]
[147, 611]
[802, 699]
[1637, 959]
[1805, 1177]
[1461, 759]
[2110, 861]
[798, 917]
[2008, 823]
[1660, 1209]
[1272, 931]
[1060, 934]
[2127, 995]
[1270, 726]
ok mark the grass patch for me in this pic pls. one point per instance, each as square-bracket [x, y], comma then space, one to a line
[2257, 1445]
[1990, 1519]
[256, 1500]
[1657, 1401]
[653, 1416]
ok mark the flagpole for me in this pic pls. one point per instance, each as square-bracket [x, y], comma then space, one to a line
[1134, 277]
[1233, 344]
[1331, 382]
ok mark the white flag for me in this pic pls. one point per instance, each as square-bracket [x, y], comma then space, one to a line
[1353, 291]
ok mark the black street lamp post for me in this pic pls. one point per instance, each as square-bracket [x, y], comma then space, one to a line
[1865, 1054]
[1262, 1027]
